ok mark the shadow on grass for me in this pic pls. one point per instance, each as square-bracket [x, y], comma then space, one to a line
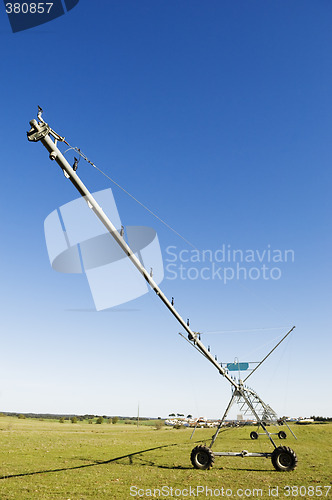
[94, 464]
[144, 462]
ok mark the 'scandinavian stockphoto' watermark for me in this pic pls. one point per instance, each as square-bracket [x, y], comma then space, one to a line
[227, 263]
[166, 491]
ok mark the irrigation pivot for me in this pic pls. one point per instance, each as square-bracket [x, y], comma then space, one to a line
[202, 457]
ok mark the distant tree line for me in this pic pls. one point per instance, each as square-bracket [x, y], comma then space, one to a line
[109, 419]
[73, 418]
[179, 415]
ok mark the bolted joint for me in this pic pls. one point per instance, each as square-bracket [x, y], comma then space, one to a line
[38, 131]
[192, 337]
[53, 155]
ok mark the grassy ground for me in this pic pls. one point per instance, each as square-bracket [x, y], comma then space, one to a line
[50, 460]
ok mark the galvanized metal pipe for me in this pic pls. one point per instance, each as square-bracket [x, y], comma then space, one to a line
[40, 131]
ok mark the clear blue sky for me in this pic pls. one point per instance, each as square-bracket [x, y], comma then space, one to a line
[218, 116]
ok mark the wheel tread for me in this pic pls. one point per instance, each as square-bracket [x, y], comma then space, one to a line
[254, 435]
[275, 458]
[204, 450]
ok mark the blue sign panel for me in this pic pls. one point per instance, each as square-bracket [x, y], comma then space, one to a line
[234, 367]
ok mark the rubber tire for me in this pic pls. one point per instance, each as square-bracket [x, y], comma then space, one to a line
[202, 457]
[284, 459]
[282, 435]
[254, 435]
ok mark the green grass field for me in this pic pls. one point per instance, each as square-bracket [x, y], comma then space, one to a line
[50, 460]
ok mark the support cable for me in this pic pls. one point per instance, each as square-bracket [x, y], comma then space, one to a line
[123, 189]
[269, 353]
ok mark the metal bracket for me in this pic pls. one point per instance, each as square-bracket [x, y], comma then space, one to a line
[35, 135]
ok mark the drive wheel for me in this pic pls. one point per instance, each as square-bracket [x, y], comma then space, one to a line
[202, 457]
[284, 459]
[254, 435]
[282, 435]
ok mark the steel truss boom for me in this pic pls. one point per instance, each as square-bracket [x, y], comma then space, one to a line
[41, 131]
[283, 458]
